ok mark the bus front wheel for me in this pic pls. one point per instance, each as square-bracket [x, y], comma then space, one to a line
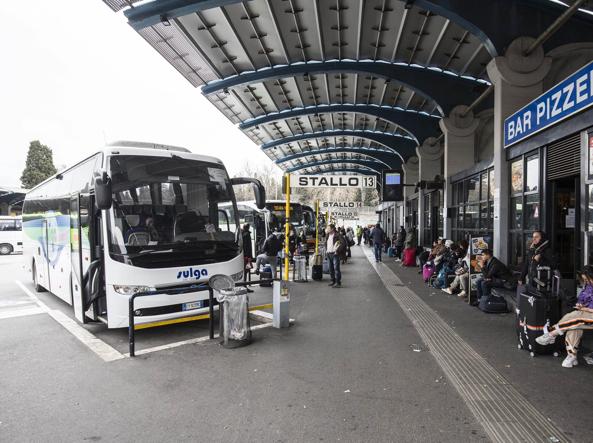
[36, 285]
[5, 249]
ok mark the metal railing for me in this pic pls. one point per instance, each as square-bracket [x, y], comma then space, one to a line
[184, 290]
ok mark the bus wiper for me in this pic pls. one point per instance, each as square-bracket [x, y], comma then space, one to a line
[154, 251]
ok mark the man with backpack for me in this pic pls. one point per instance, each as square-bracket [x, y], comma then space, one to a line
[378, 236]
[335, 248]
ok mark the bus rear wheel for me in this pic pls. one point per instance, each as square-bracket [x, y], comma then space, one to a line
[36, 285]
[5, 249]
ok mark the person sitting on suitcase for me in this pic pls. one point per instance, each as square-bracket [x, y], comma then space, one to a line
[575, 322]
[272, 246]
[494, 274]
[539, 254]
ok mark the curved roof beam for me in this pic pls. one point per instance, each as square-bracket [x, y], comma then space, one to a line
[340, 170]
[445, 88]
[389, 159]
[480, 18]
[374, 165]
[418, 124]
[404, 148]
[489, 21]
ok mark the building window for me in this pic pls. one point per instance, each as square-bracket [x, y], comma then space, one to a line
[473, 206]
[525, 205]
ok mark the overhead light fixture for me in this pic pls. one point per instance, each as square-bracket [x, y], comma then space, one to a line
[165, 20]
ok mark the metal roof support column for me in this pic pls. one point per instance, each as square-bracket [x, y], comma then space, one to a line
[460, 147]
[410, 169]
[429, 154]
[517, 79]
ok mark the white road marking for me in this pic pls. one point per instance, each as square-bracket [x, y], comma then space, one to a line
[188, 342]
[21, 312]
[98, 346]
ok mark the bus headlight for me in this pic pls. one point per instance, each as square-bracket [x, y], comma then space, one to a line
[238, 276]
[130, 290]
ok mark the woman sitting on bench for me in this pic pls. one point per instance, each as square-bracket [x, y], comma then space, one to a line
[575, 322]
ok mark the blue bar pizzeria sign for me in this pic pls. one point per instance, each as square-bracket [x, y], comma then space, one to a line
[571, 95]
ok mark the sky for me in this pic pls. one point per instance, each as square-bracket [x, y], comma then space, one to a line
[75, 75]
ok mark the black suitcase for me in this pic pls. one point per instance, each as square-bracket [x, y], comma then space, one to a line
[537, 310]
[317, 272]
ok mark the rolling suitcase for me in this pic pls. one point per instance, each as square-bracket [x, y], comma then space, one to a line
[409, 257]
[317, 268]
[427, 271]
[537, 310]
[390, 252]
[326, 265]
[266, 274]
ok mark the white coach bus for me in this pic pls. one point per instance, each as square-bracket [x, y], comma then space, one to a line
[134, 217]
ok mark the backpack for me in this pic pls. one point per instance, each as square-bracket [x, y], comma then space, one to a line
[341, 246]
[441, 280]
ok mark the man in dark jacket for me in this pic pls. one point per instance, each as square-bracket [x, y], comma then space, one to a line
[494, 274]
[539, 254]
[378, 236]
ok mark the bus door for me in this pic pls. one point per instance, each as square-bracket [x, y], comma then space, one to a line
[81, 256]
[42, 264]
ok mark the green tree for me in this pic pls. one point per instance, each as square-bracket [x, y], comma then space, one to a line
[39, 165]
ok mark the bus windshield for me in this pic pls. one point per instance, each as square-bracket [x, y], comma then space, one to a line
[278, 215]
[171, 211]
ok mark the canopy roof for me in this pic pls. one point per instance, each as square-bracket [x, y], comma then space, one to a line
[340, 85]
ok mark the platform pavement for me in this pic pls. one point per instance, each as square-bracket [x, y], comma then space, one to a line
[566, 395]
[352, 368]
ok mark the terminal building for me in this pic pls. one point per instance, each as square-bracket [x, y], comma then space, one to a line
[484, 107]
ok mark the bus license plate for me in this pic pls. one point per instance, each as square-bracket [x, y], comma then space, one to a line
[192, 305]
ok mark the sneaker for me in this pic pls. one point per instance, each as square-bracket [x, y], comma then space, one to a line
[332, 283]
[547, 339]
[569, 361]
[462, 294]
[338, 285]
[447, 290]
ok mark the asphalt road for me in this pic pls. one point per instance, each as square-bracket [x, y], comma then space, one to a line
[352, 368]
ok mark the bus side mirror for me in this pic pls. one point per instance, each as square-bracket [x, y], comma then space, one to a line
[103, 195]
[258, 189]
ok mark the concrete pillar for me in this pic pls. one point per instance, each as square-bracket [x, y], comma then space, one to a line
[429, 154]
[460, 143]
[517, 80]
[411, 170]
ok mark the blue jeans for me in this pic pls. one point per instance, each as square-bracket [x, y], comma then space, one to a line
[484, 287]
[378, 250]
[334, 268]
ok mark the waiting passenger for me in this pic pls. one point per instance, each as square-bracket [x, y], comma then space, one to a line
[271, 247]
[539, 254]
[574, 323]
[399, 242]
[494, 274]
[153, 234]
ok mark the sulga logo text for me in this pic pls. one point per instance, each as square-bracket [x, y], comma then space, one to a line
[192, 273]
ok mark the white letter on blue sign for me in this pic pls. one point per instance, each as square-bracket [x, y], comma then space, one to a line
[527, 121]
[568, 91]
[555, 100]
[581, 88]
[539, 112]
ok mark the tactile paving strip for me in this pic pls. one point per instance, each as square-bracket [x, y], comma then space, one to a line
[503, 412]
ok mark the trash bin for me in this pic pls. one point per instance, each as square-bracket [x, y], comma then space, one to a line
[234, 312]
